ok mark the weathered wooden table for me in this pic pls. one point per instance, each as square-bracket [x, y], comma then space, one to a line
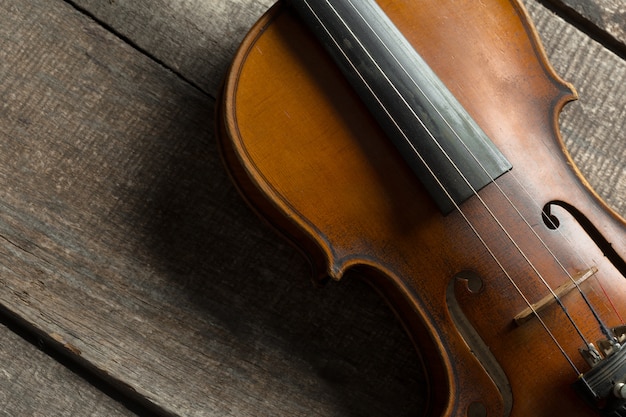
[126, 254]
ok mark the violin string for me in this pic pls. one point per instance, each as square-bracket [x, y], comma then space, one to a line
[595, 314]
[578, 254]
[528, 261]
[582, 260]
[602, 325]
[466, 219]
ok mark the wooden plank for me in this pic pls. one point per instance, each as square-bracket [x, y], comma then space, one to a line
[32, 383]
[607, 16]
[123, 239]
[196, 38]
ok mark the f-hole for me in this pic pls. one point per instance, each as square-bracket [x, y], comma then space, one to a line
[553, 223]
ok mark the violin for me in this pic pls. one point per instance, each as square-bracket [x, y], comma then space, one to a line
[416, 143]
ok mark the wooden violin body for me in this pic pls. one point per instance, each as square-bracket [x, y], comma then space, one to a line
[309, 157]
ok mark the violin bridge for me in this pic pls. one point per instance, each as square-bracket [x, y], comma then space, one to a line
[550, 299]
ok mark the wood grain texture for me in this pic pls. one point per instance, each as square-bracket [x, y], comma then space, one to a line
[33, 384]
[195, 38]
[122, 236]
[608, 16]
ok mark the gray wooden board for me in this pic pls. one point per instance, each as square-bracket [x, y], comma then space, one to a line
[122, 238]
[606, 15]
[33, 384]
[196, 38]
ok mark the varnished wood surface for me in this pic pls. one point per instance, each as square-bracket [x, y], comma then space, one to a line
[124, 241]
